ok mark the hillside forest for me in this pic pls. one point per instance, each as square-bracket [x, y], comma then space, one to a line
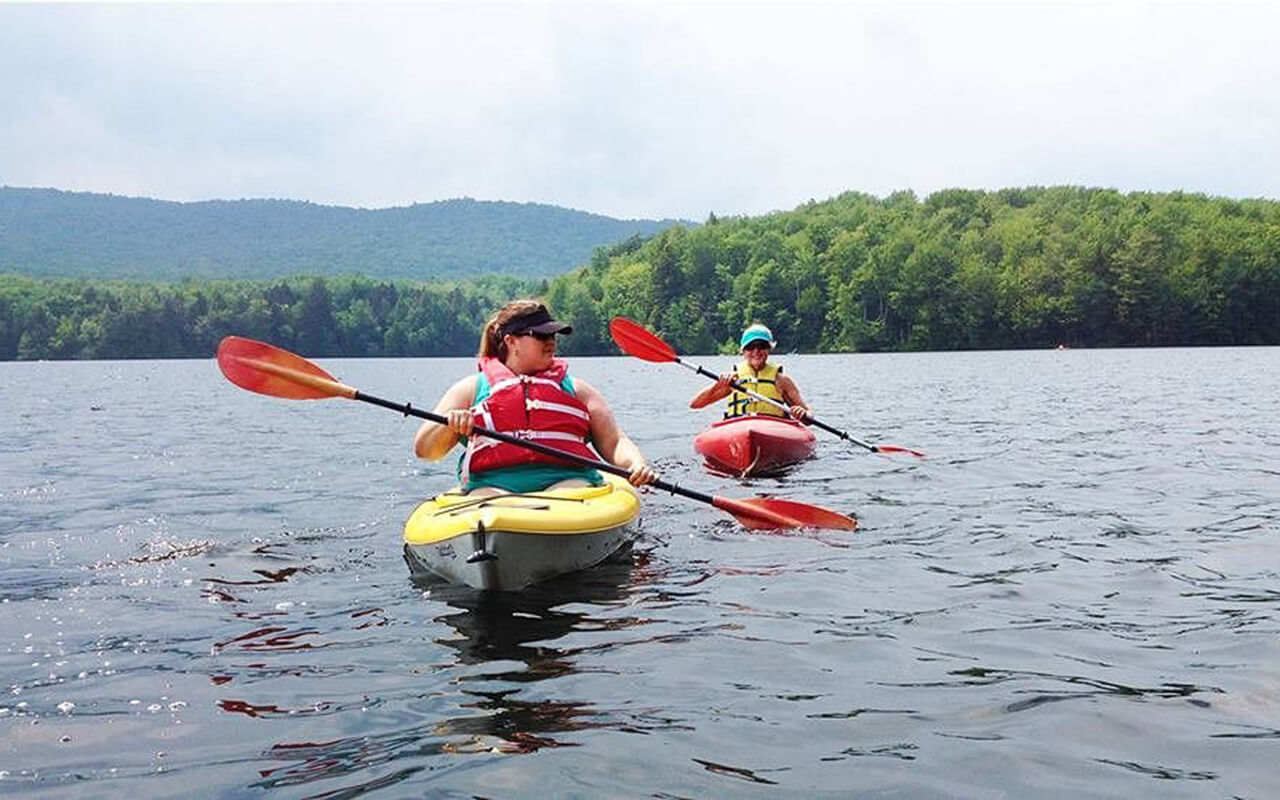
[54, 234]
[961, 269]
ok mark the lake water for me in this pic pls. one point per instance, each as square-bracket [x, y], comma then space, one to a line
[1076, 594]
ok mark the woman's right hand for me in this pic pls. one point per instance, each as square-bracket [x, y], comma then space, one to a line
[461, 421]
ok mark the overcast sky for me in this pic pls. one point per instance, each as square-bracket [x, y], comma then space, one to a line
[637, 109]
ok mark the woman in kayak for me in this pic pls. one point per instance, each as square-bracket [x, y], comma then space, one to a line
[758, 374]
[524, 390]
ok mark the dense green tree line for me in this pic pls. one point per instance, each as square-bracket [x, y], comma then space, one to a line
[351, 316]
[962, 269]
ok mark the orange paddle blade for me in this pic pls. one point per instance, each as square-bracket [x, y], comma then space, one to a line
[772, 513]
[634, 339]
[265, 369]
[893, 448]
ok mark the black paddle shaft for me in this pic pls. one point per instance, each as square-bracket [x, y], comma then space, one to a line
[409, 411]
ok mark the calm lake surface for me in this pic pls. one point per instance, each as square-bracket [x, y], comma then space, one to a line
[1076, 594]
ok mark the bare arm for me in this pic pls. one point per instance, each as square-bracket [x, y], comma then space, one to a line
[609, 440]
[433, 440]
[791, 396]
[716, 391]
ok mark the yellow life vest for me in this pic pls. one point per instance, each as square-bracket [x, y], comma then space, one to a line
[763, 383]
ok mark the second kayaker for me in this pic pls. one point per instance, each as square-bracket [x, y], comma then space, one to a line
[524, 390]
[758, 374]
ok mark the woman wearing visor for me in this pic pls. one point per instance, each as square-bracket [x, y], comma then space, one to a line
[523, 389]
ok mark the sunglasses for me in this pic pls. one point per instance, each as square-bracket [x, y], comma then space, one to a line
[542, 337]
[757, 346]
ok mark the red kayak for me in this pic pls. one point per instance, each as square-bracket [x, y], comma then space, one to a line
[754, 445]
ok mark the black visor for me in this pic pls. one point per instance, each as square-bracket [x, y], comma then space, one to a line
[536, 321]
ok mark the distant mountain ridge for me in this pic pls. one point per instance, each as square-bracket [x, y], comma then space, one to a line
[53, 233]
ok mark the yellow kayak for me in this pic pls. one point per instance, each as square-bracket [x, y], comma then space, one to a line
[507, 542]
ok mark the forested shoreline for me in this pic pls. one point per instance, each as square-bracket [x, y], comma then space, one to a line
[1016, 268]
[346, 316]
[961, 269]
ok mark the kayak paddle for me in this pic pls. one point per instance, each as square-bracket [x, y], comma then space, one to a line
[266, 369]
[639, 341]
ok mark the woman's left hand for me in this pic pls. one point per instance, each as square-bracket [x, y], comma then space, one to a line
[642, 474]
[801, 413]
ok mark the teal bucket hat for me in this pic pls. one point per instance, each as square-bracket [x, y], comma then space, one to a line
[756, 333]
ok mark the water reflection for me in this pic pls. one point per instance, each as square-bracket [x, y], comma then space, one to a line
[502, 628]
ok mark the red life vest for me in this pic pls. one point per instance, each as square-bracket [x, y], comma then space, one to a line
[534, 407]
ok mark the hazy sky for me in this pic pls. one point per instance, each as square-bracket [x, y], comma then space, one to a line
[637, 109]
